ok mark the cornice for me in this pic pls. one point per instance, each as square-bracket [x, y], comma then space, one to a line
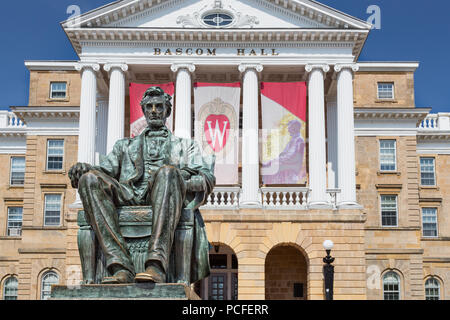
[13, 132]
[81, 37]
[388, 66]
[423, 135]
[46, 112]
[418, 114]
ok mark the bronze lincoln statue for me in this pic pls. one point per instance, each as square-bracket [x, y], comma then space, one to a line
[153, 169]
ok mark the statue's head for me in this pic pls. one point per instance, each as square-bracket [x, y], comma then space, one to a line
[156, 107]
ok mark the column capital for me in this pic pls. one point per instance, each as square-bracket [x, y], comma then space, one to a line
[109, 66]
[243, 67]
[339, 67]
[324, 67]
[177, 66]
[87, 65]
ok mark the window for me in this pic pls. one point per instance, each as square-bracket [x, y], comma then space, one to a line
[218, 19]
[389, 210]
[48, 279]
[387, 155]
[391, 286]
[52, 210]
[17, 171]
[14, 221]
[432, 289]
[55, 154]
[385, 90]
[427, 176]
[10, 289]
[58, 90]
[429, 222]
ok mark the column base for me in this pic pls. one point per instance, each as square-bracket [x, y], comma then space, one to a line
[250, 204]
[319, 205]
[349, 205]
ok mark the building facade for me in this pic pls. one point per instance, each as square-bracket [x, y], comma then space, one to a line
[376, 164]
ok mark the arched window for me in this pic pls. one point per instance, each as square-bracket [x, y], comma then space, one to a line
[391, 286]
[10, 289]
[432, 289]
[48, 279]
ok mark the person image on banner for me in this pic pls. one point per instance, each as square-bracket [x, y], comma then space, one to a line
[290, 161]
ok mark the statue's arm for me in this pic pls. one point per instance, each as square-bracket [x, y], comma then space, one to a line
[110, 164]
[201, 172]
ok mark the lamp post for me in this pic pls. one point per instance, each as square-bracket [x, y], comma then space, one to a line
[328, 270]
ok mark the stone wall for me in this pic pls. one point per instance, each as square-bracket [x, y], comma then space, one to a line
[366, 89]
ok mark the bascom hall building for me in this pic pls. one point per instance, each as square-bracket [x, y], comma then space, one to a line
[376, 168]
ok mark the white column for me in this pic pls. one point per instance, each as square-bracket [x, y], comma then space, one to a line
[317, 150]
[332, 143]
[87, 121]
[250, 135]
[102, 125]
[86, 136]
[116, 113]
[183, 97]
[346, 136]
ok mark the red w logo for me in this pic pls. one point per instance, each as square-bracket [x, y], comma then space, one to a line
[217, 130]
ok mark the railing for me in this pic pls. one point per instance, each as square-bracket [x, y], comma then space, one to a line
[272, 198]
[435, 122]
[8, 120]
[285, 198]
[223, 198]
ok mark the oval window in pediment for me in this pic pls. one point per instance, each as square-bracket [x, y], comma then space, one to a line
[217, 19]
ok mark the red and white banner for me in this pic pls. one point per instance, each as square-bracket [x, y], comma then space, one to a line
[217, 126]
[137, 119]
[283, 134]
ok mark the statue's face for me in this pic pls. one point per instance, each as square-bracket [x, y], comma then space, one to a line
[155, 112]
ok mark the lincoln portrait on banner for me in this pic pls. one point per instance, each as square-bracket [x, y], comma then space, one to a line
[153, 169]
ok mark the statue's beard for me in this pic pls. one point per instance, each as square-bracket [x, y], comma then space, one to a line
[156, 124]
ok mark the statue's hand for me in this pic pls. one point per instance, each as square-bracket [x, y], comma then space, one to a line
[77, 171]
[196, 184]
[186, 175]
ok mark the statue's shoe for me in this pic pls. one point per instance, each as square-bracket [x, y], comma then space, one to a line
[151, 274]
[120, 277]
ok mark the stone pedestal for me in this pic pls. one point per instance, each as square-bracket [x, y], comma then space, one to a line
[133, 291]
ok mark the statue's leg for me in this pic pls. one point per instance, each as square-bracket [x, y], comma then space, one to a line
[100, 194]
[167, 197]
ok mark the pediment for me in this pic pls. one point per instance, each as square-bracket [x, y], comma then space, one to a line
[216, 14]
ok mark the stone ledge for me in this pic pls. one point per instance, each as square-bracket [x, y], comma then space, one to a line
[133, 291]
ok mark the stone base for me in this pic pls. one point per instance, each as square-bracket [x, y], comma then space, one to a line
[133, 291]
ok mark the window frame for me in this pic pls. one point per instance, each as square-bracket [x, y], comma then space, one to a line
[439, 287]
[395, 155]
[396, 207]
[52, 91]
[44, 275]
[11, 171]
[437, 222]
[386, 83]
[434, 172]
[399, 278]
[47, 156]
[8, 220]
[60, 209]
[5, 283]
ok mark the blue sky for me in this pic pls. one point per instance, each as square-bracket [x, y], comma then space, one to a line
[411, 30]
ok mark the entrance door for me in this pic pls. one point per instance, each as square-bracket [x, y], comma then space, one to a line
[218, 286]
